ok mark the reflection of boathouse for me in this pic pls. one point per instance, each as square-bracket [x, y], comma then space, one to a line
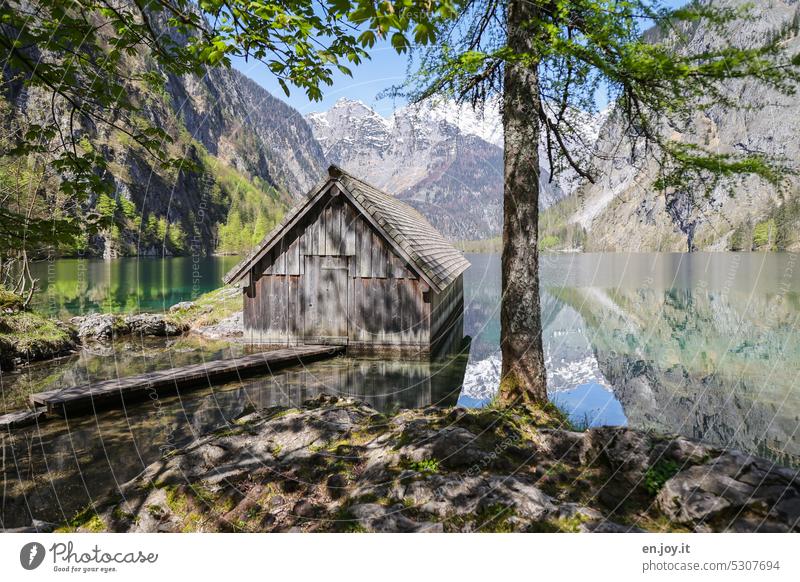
[351, 265]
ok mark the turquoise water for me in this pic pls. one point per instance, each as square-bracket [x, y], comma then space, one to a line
[81, 286]
[706, 345]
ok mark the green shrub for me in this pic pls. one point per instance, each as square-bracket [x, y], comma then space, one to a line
[764, 235]
[549, 242]
[787, 219]
[742, 238]
[658, 474]
[426, 466]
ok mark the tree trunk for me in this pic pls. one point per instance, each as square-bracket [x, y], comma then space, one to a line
[523, 374]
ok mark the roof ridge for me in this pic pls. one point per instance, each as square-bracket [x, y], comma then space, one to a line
[431, 253]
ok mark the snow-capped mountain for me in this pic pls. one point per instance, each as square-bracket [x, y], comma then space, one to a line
[445, 159]
[484, 122]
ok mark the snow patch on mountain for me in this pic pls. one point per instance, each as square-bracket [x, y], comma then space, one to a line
[444, 158]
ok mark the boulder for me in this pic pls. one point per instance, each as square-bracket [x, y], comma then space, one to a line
[100, 326]
[738, 491]
[182, 306]
[153, 324]
[230, 327]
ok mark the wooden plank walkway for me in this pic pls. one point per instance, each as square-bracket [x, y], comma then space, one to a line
[21, 418]
[111, 392]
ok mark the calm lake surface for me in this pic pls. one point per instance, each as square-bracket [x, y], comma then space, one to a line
[80, 286]
[705, 345]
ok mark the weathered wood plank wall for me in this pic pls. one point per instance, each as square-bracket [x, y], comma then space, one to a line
[387, 303]
[446, 307]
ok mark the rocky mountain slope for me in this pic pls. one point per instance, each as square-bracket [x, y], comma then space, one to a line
[622, 211]
[442, 158]
[252, 152]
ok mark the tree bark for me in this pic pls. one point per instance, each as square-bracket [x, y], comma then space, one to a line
[523, 374]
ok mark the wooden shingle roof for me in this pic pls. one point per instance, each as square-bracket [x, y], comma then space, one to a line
[434, 258]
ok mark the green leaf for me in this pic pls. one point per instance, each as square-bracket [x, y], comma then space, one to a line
[399, 42]
[284, 86]
[367, 38]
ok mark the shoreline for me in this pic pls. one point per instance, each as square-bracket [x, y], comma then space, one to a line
[28, 337]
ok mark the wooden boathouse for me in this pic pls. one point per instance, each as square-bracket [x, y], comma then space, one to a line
[351, 265]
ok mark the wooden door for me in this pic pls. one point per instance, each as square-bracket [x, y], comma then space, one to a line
[325, 300]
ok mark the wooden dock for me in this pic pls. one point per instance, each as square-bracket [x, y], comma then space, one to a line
[121, 390]
[21, 418]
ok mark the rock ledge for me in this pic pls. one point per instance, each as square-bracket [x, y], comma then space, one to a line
[338, 465]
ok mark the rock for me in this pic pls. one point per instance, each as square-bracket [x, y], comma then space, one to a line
[627, 451]
[336, 484]
[377, 518]
[306, 509]
[571, 510]
[153, 324]
[328, 466]
[182, 306]
[107, 326]
[561, 444]
[683, 451]
[36, 526]
[606, 526]
[445, 495]
[788, 510]
[751, 490]
[685, 503]
[100, 326]
[268, 520]
[230, 327]
[453, 447]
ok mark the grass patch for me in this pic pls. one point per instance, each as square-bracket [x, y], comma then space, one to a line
[28, 336]
[210, 308]
[426, 466]
[549, 242]
[764, 235]
[86, 519]
[658, 474]
[570, 524]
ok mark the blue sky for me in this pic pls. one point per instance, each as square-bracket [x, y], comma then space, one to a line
[384, 70]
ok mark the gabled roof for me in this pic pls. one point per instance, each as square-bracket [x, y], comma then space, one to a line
[434, 259]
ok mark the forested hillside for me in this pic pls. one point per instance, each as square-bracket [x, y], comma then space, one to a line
[247, 155]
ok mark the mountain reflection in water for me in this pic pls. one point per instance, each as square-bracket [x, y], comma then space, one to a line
[704, 345]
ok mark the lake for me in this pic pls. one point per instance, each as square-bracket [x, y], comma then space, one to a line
[704, 345]
[80, 286]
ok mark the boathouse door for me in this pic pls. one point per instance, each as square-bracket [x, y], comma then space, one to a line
[325, 300]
